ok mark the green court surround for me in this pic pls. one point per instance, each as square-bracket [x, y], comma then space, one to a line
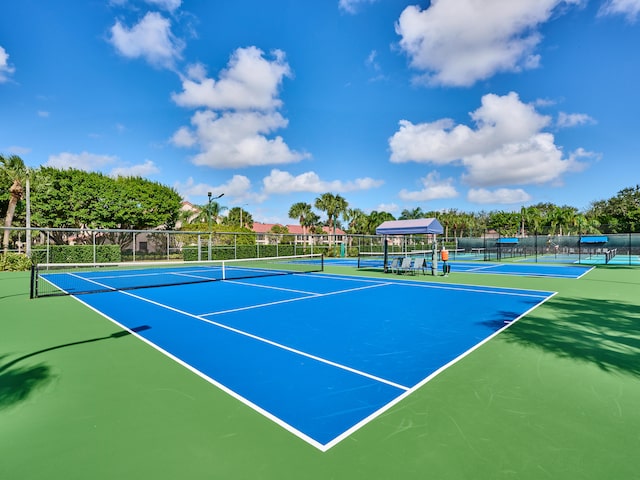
[555, 396]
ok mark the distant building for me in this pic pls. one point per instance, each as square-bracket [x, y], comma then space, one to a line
[301, 235]
[188, 211]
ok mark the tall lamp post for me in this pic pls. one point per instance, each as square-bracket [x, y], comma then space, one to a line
[209, 194]
[241, 208]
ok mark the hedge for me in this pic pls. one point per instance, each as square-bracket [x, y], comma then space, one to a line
[78, 254]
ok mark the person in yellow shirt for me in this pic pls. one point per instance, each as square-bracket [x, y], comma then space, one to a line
[444, 255]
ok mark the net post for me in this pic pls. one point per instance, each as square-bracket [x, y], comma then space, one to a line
[386, 255]
[32, 288]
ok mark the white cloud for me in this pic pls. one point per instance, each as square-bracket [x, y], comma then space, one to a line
[458, 42]
[43, 114]
[18, 150]
[250, 81]
[433, 188]
[236, 139]
[566, 120]
[140, 170]
[499, 196]
[150, 39]
[169, 5]
[351, 6]
[237, 189]
[535, 160]
[184, 138]
[387, 207]
[628, 8]
[190, 189]
[372, 63]
[5, 68]
[280, 182]
[81, 161]
[240, 117]
[505, 146]
[372, 60]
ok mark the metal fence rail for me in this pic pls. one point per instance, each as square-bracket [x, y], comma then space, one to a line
[63, 245]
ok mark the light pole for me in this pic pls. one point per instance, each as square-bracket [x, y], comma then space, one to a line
[209, 218]
[241, 208]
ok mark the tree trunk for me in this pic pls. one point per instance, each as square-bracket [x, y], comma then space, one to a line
[16, 194]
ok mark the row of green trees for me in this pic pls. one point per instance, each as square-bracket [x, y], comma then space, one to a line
[619, 214]
[77, 199]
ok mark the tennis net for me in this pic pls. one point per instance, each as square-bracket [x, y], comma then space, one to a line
[371, 259]
[609, 254]
[74, 279]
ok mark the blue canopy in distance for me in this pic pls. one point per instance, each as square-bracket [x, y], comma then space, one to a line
[408, 227]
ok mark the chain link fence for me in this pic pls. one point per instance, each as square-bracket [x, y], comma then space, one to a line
[551, 247]
[58, 245]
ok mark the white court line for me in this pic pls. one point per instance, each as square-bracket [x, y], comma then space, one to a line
[315, 295]
[248, 284]
[531, 273]
[265, 340]
[442, 286]
[474, 290]
[477, 269]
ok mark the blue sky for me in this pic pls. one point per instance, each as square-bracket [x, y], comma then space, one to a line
[451, 104]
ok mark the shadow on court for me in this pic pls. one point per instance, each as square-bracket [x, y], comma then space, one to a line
[603, 332]
[18, 382]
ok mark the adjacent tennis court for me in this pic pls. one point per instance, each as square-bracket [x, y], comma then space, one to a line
[319, 377]
[376, 261]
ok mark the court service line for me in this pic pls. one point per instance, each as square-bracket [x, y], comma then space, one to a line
[473, 290]
[315, 295]
[266, 340]
[248, 284]
[444, 286]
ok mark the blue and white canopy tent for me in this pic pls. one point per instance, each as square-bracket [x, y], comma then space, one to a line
[411, 227]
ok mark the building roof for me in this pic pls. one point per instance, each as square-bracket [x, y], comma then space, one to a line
[293, 229]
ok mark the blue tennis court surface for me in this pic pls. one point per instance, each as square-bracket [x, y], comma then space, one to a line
[528, 270]
[501, 268]
[319, 354]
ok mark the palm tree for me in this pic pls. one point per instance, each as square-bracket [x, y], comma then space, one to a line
[211, 211]
[239, 217]
[302, 211]
[375, 219]
[14, 170]
[333, 206]
[586, 224]
[411, 214]
[356, 220]
[562, 217]
[531, 220]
